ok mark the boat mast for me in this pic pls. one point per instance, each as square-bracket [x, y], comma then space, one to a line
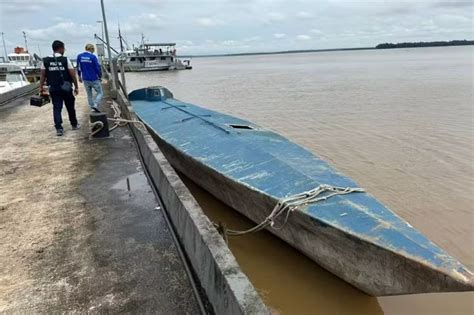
[4, 47]
[120, 38]
[26, 42]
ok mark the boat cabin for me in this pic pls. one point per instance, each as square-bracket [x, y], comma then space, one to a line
[22, 59]
[152, 56]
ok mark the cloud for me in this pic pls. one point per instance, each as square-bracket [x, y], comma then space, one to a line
[207, 22]
[74, 35]
[303, 37]
[454, 4]
[274, 17]
[20, 7]
[316, 32]
[139, 23]
[230, 42]
[279, 35]
[304, 15]
[261, 24]
[185, 42]
[67, 31]
[252, 39]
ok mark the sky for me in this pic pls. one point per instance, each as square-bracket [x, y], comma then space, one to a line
[234, 26]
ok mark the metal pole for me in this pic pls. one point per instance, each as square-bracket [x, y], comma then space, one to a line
[109, 52]
[101, 27]
[122, 75]
[4, 48]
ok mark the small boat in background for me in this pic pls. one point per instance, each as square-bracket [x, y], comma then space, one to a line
[11, 77]
[321, 212]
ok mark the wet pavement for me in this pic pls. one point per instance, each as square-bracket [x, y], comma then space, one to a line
[80, 228]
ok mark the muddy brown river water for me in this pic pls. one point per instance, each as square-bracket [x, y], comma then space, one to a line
[400, 122]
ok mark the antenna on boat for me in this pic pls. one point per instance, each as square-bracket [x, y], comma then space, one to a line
[120, 38]
[4, 47]
[26, 42]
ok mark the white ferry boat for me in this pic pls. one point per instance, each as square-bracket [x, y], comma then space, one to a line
[153, 57]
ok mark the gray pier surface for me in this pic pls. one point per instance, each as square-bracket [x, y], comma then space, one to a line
[73, 237]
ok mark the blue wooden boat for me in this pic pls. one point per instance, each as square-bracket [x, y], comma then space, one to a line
[250, 168]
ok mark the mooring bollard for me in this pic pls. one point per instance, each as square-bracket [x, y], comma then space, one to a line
[100, 125]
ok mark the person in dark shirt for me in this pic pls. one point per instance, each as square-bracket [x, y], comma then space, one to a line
[89, 72]
[57, 71]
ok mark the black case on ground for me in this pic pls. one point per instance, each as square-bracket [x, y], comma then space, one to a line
[39, 100]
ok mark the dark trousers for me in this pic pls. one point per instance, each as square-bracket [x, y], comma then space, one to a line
[58, 98]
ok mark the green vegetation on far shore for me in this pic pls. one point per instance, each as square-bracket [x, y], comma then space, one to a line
[426, 44]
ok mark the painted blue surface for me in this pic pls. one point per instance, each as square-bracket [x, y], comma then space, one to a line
[278, 167]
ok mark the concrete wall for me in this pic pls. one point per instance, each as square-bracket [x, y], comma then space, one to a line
[227, 287]
[24, 90]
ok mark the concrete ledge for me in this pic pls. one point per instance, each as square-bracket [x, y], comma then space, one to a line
[227, 287]
[24, 90]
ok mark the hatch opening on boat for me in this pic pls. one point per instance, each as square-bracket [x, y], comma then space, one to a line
[240, 126]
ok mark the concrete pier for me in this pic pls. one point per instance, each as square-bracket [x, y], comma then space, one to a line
[105, 225]
[80, 228]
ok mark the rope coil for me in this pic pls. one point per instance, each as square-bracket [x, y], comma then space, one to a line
[96, 127]
[119, 121]
[289, 204]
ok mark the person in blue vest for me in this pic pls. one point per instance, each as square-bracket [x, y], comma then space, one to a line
[57, 71]
[89, 72]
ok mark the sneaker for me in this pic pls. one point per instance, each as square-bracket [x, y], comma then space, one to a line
[95, 110]
[59, 132]
[78, 126]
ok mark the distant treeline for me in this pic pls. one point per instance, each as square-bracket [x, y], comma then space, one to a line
[426, 44]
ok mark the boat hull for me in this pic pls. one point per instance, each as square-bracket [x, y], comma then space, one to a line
[376, 251]
[160, 68]
[138, 68]
[371, 269]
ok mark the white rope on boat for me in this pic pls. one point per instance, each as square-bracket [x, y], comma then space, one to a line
[289, 204]
[119, 121]
[124, 121]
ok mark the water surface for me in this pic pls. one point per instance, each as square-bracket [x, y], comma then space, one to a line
[400, 122]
